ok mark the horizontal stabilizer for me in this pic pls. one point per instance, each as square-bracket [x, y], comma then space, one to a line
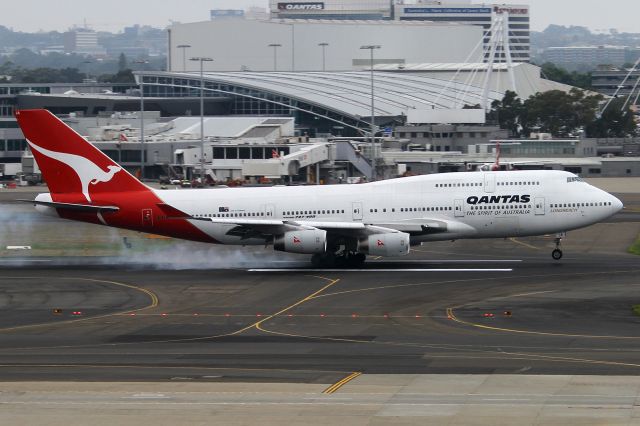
[74, 207]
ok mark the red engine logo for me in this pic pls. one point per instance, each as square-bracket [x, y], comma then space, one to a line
[380, 243]
[296, 240]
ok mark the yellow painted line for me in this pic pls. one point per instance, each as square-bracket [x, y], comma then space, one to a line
[152, 296]
[340, 383]
[451, 315]
[282, 311]
[513, 240]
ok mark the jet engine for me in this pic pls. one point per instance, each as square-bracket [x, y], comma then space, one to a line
[391, 244]
[305, 241]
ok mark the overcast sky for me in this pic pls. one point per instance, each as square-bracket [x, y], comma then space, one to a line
[113, 15]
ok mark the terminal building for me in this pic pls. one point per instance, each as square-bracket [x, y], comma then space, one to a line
[450, 11]
[316, 45]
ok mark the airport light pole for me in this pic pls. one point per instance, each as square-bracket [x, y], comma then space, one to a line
[275, 55]
[202, 60]
[371, 48]
[324, 46]
[141, 119]
[184, 48]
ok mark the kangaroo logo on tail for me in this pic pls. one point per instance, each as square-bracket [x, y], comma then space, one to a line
[88, 172]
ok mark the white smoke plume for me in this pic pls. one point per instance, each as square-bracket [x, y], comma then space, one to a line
[61, 242]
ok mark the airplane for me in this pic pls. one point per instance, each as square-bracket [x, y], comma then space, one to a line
[339, 225]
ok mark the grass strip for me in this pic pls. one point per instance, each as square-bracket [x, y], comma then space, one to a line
[635, 247]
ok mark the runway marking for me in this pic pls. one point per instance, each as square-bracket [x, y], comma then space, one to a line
[383, 270]
[309, 297]
[491, 353]
[451, 261]
[453, 317]
[24, 260]
[523, 294]
[340, 383]
[524, 244]
[152, 296]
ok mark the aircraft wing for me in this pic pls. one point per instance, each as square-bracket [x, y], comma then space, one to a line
[255, 228]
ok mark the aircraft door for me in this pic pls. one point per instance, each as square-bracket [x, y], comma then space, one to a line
[539, 206]
[147, 218]
[356, 209]
[458, 208]
[269, 211]
[489, 182]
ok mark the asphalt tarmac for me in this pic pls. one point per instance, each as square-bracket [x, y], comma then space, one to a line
[481, 307]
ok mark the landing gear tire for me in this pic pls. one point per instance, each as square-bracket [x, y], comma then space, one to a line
[557, 253]
[323, 260]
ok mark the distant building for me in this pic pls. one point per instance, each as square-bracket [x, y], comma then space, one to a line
[586, 55]
[474, 14]
[450, 11]
[609, 81]
[82, 41]
[299, 45]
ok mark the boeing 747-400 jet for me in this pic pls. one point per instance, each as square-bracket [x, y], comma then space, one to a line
[336, 224]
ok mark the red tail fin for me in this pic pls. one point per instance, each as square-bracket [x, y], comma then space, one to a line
[70, 164]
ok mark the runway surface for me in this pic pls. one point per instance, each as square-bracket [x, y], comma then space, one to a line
[522, 313]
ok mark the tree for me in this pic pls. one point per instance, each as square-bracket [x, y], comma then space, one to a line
[508, 112]
[615, 122]
[560, 113]
[124, 76]
[122, 62]
[554, 73]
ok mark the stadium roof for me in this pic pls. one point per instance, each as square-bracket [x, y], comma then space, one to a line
[344, 93]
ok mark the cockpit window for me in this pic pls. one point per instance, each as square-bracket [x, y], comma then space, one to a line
[574, 179]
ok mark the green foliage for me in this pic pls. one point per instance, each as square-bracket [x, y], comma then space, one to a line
[635, 248]
[616, 122]
[508, 113]
[636, 309]
[122, 62]
[554, 73]
[556, 112]
[124, 76]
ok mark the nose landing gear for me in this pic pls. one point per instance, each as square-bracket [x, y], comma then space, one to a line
[557, 253]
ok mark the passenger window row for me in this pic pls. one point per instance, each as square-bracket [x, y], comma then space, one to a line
[301, 212]
[457, 185]
[598, 204]
[517, 183]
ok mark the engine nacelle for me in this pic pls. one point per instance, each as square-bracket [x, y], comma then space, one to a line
[307, 241]
[389, 245]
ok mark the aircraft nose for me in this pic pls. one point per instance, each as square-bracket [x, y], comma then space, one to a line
[616, 204]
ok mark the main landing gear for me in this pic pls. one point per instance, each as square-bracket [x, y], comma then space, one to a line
[557, 253]
[343, 259]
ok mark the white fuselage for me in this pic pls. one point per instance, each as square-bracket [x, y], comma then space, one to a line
[473, 205]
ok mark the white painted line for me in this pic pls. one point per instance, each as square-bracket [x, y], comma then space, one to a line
[450, 261]
[18, 247]
[20, 260]
[376, 270]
